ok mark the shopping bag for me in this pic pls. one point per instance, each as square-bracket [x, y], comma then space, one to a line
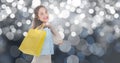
[48, 48]
[33, 42]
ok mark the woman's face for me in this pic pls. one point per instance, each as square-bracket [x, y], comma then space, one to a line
[43, 15]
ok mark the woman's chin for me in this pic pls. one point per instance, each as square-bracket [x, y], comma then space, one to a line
[45, 21]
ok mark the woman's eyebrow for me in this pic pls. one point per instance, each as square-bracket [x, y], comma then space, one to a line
[41, 12]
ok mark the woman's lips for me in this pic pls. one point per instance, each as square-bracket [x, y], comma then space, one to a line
[45, 18]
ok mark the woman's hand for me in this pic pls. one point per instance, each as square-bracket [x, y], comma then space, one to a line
[60, 43]
[48, 25]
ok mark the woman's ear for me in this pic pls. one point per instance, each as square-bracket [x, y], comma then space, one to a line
[37, 18]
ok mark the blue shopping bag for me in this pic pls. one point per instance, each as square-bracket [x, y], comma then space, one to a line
[48, 47]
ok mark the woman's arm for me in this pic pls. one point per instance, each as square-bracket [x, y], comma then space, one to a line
[56, 36]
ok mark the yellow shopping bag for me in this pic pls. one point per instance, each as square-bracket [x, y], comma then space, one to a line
[33, 41]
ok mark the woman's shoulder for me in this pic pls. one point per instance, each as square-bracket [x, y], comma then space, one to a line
[46, 28]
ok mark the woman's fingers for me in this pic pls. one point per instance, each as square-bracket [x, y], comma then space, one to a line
[60, 43]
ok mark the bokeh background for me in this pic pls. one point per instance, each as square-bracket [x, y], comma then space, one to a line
[90, 29]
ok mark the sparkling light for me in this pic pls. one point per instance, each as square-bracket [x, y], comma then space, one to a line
[65, 14]
[21, 2]
[72, 9]
[69, 1]
[116, 15]
[19, 7]
[67, 6]
[65, 47]
[30, 10]
[3, 6]
[107, 6]
[73, 34]
[112, 10]
[51, 17]
[74, 40]
[35, 3]
[67, 24]
[28, 22]
[94, 25]
[13, 30]
[24, 33]
[0, 31]
[76, 3]
[12, 15]
[98, 19]
[33, 15]
[10, 35]
[24, 9]
[82, 15]
[79, 22]
[101, 13]
[78, 10]
[56, 10]
[72, 59]
[8, 10]
[51, 6]
[46, 4]
[91, 11]
[117, 29]
[97, 49]
[19, 24]
[14, 4]
[9, 1]
[62, 4]
[3, 15]
[76, 22]
[3, 1]
[81, 44]
[74, 28]
[117, 4]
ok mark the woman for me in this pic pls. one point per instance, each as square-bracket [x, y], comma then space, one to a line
[41, 17]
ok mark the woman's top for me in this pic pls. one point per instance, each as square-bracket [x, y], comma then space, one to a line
[48, 47]
[56, 36]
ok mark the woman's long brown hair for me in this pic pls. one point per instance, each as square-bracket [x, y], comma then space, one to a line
[36, 21]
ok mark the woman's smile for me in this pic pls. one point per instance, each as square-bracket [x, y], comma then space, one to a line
[45, 18]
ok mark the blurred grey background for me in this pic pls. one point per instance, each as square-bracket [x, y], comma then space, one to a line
[90, 29]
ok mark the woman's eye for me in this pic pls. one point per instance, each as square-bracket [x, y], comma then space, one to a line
[41, 14]
[46, 12]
